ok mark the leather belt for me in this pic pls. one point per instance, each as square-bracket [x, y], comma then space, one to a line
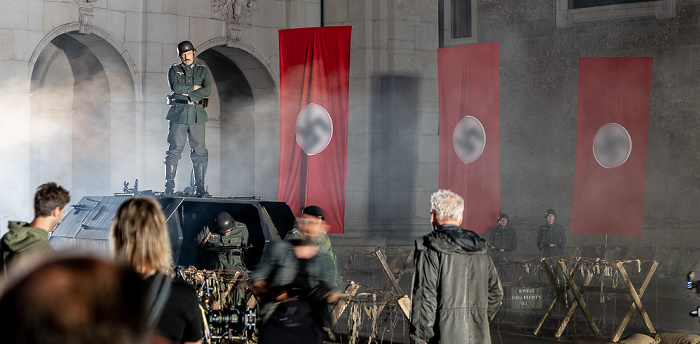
[179, 101]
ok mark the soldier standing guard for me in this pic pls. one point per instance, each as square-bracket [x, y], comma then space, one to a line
[190, 84]
[551, 238]
[503, 240]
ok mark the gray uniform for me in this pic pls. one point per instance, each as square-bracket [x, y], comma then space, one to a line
[223, 252]
[186, 114]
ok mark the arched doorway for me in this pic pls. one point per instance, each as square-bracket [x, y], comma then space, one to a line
[82, 115]
[243, 132]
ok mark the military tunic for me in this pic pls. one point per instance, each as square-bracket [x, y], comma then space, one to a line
[551, 240]
[223, 252]
[504, 242]
[187, 119]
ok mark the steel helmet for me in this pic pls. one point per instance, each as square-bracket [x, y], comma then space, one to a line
[184, 46]
[224, 223]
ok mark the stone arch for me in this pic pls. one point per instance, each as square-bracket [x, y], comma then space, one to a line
[244, 107]
[84, 109]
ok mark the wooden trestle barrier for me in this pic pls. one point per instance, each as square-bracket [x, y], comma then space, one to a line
[404, 301]
[569, 290]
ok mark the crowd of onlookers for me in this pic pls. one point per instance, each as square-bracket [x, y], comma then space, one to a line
[50, 297]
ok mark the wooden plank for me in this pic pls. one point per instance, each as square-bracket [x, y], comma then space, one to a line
[578, 300]
[339, 308]
[405, 305]
[387, 271]
[252, 301]
[633, 306]
[636, 298]
[555, 287]
[406, 264]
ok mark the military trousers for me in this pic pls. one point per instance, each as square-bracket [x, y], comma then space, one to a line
[178, 135]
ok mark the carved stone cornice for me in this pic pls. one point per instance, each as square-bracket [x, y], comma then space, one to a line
[232, 10]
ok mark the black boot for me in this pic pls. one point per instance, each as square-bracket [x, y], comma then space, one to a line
[170, 171]
[199, 189]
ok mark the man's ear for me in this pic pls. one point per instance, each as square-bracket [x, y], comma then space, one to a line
[461, 217]
[56, 212]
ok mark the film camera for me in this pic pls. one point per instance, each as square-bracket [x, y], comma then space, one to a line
[222, 297]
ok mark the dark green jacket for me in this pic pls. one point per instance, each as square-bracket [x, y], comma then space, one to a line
[455, 288]
[23, 240]
[182, 80]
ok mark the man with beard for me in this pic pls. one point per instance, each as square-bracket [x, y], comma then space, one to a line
[190, 84]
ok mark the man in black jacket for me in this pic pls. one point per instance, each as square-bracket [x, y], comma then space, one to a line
[503, 239]
[456, 289]
[551, 238]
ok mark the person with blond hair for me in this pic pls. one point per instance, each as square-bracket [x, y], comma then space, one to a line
[140, 238]
[456, 288]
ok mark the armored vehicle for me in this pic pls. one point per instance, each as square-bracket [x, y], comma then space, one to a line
[86, 227]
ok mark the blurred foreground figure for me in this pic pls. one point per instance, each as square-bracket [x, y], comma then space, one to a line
[30, 241]
[550, 236]
[456, 289]
[140, 238]
[75, 301]
[312, 216]
[295, 282]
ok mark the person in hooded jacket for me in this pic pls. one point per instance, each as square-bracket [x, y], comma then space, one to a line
[456, 289]
[30, 241]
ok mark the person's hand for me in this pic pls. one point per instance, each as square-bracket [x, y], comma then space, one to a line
[259, 288]
[196, 87]
[283, 297]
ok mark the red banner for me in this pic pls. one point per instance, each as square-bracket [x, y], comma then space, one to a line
[611, 146]
[469, 130]
[314, 79]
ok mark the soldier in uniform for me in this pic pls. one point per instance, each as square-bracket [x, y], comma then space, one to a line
[222, 246]
[222, 243]
[502, 239]
[190, 84]
[551, 238]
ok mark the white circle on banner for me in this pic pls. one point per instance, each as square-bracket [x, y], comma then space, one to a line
[612, 145]
[469, 139]
[313, 129]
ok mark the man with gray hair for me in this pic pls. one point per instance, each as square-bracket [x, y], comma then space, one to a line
[456, 289]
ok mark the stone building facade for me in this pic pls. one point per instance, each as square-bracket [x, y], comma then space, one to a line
[85, 84]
